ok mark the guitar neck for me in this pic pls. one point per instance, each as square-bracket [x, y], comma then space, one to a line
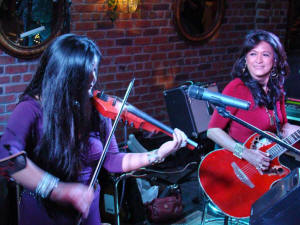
[277, 149]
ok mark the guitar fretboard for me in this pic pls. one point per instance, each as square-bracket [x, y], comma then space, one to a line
[277, 149]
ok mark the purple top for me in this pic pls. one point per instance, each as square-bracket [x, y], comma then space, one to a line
[24, 130]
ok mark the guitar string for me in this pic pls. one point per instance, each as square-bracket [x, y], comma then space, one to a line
[276, 149]
[249, 169]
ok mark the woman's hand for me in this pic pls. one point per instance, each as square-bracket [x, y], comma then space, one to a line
[76, 194]
[133, 161]
[179, 141]
[257, 158]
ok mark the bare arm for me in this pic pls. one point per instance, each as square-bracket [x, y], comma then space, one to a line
[133, 161]
[73, 193]
[30, 176]
[220, 137]
[257, 158]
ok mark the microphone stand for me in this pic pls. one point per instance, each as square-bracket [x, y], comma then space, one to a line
[223, 112]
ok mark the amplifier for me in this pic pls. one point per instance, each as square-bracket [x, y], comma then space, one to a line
[190, 115]
[280, 205]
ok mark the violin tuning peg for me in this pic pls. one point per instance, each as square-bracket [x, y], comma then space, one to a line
[114, 102]
[102, 96]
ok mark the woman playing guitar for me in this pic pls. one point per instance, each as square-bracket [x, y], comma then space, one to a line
[259, 74]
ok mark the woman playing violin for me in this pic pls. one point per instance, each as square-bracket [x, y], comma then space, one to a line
[63, 134]
[259, 75]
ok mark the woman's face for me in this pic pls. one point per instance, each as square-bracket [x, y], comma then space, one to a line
[260, 61]
[93, 78]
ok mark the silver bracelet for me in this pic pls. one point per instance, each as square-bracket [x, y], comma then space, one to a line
[46, 185]
[238, 150]
[153, 157]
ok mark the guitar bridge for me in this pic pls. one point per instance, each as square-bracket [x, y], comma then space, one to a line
[241, 175]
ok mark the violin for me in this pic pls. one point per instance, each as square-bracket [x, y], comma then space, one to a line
[109, 107]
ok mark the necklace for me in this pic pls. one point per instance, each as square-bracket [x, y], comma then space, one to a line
[271, 117]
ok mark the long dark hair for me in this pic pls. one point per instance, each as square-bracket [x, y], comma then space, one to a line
[62, 82]
[280, 68]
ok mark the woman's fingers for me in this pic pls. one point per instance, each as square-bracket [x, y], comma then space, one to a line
[76, 194]
[82, 201]
[257, 158]
[179, 140]
[263, 160]
[180, 137]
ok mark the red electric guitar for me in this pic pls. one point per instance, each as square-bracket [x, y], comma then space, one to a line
[233, 184]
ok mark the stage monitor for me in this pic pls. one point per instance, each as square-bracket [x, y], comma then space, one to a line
[190, 115]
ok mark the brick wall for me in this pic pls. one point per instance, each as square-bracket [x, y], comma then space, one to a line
[146, 45]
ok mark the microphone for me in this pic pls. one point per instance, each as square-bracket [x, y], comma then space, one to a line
[216, 98]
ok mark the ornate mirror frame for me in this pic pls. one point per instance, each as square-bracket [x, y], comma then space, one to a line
[198, 20]
[61, 25]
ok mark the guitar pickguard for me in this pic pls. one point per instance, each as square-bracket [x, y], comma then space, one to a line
[259, 142]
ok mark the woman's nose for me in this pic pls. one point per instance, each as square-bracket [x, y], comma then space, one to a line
[259, 58]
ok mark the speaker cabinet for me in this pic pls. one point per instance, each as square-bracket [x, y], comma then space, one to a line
[190, 115]
[291, 85]
[280, 205]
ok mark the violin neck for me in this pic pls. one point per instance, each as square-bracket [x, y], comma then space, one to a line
[150, 119]
[167, 130]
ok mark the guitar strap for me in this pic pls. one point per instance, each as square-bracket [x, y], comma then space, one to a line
[277, 122]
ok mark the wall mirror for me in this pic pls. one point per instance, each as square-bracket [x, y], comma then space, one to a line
[198, 20]
[28, 26]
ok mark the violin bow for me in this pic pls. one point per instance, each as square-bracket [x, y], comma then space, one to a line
[101, 160]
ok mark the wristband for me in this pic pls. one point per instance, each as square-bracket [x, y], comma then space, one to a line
[238, 150]
[46, 185]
